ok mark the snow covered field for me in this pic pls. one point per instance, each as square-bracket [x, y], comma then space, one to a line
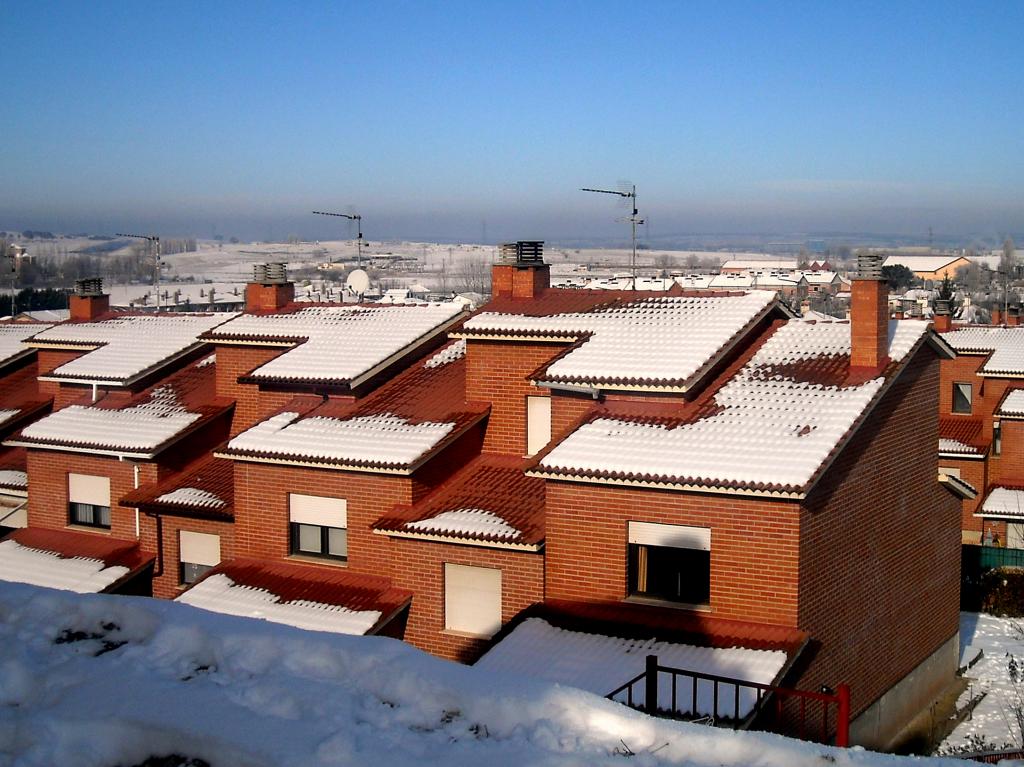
[992, 722]
[98, 681]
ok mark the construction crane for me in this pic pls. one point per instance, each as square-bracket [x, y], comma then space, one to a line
[359, 224]
[633, 219]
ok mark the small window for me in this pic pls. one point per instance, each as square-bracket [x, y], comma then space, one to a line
[538, 424]
[670, 562]
[319, 526]
[472, 600]
[197, 553]
[997, 439]
[962, 398]
[89, 500]
[949, 471]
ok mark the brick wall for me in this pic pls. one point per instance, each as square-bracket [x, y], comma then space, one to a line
[976, 473]
[496, 372]
[161, 535]
[880, 547]
[418, 566]
[261, 509]
[251, 404]
[753, 546]
[50, 360]
[48, 488]
[1009, 465]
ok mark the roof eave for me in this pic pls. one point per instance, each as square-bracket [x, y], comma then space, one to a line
[103, 451]
[461, 540]
[780, 494]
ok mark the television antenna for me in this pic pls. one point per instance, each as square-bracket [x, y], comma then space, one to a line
[154, 241]
[633, 219]
[359, 239]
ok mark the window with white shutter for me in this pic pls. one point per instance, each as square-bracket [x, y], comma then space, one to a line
[197, 552]
[89, 500]
[538, 424]
[472, 599]
[319, 526]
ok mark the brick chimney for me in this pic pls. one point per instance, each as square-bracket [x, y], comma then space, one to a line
[270, 288]
[88, 301]
[1013, 316]
[943, 319]
[520, 271]
[997, 316]
[869, 315]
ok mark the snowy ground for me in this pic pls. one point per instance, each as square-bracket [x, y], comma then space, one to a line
[98, 681]
[992, 722]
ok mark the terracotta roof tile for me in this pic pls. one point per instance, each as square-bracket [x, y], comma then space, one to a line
[632, 620]
[211, 477]
[965, 432]
[68, 544]
[323, 584]
[494, 485]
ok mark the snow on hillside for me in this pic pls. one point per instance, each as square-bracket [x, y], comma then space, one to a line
[98, 681]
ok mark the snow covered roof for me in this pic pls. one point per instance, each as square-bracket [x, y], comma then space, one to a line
[955, 446]
[666, 341]
[297, 595]
[13, 478]
[384, 441]
[66, 560]
[1006, 345]
[1003, 501]
[139, 425]
[1013, 404]
[771, 427]
[205, 489]
[600, 664]
[12, 338]
[962, 436]
[759, 263]
[490, 502]
[122, 349]
[337, 343]
[396, 428]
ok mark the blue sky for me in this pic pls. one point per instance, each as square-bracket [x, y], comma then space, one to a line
[433, 118]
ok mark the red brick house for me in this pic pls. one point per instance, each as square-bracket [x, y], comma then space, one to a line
[981, 407]
[700, 466]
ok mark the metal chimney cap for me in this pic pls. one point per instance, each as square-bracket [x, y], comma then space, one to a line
[869, 266]
[522, 252]
[90, 286]
[275, 273]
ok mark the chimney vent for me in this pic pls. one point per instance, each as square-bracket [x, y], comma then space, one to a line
[520, 271]
[869, 266]
[522, 252]
[270, 289]
[90, 286]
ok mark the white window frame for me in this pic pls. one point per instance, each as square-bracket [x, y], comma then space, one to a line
[472, 600]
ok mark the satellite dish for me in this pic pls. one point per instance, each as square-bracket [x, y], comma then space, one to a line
[358, 282]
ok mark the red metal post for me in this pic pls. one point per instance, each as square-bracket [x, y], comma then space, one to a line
[843, 716]
[651, 685]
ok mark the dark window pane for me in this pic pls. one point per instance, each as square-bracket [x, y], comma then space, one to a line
[676, 575]
[103, 516]
[190, 572]
[961, 398]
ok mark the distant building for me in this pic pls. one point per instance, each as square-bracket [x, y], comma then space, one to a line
[929, 268]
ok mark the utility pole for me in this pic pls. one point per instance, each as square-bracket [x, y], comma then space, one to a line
[633, 220]
[359, 223]
[154, 241]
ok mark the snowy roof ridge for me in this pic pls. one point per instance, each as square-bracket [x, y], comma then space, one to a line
[22, 564]
[950, 445]
[337, 343]
[660, 340]
[192, 496]
[1013, 404]
[462, 522]
[13, 336]
[449, 354]
[1004, 344]
[125, 347]
[219, 593]
[768, 427]
[384, 440]
[1004, 502]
